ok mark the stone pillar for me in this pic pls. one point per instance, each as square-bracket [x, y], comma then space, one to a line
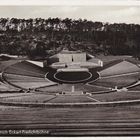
[72, 88]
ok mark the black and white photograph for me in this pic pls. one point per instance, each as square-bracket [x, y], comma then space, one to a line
[69, 70]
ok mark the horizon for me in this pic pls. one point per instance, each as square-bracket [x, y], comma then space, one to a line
[105, 14]
[71, 19]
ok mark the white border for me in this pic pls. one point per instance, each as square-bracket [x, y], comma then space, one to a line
[71, 138]
[71, 2]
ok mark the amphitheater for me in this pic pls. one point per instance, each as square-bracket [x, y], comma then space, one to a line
[85, 98]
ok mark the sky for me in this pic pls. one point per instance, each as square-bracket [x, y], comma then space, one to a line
[112, 14]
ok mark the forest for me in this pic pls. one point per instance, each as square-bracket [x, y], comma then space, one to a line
[41, 38]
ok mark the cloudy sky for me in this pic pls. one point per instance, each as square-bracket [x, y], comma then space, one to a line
[118, 14]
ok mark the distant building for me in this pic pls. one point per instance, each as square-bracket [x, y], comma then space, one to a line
[72, 56]
[73, 60]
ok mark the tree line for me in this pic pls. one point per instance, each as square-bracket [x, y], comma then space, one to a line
[44, 37]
